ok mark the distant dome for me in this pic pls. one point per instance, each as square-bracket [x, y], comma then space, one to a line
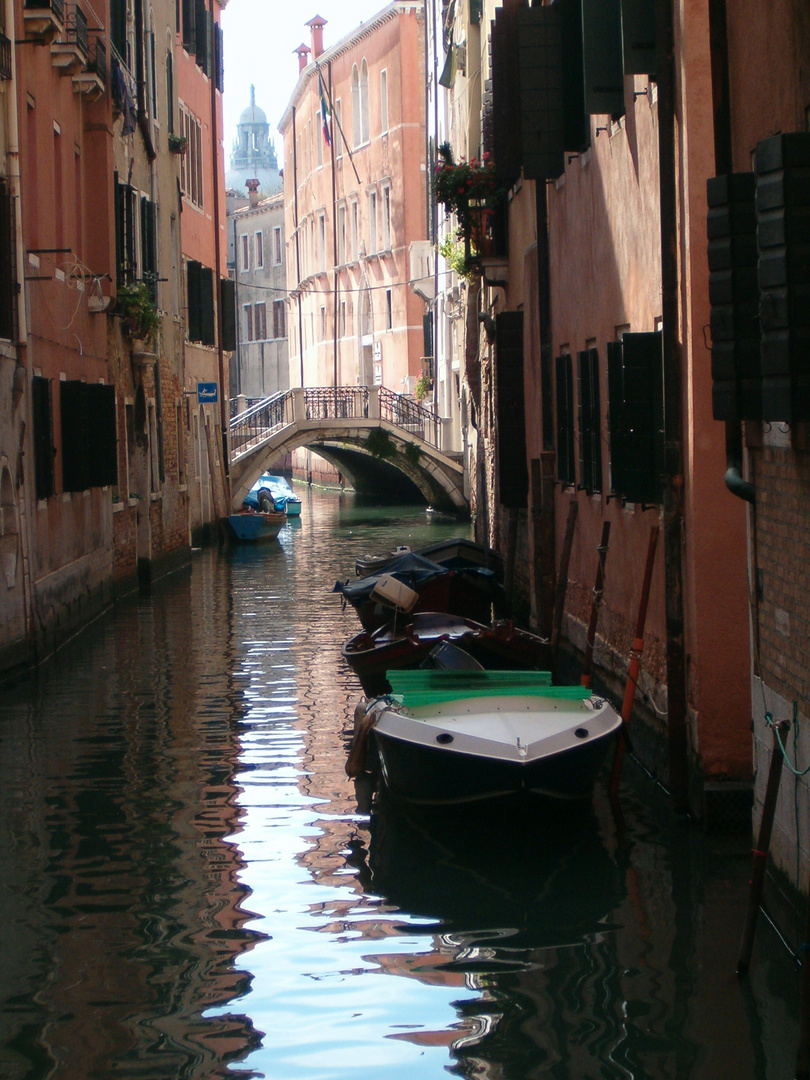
[253, 155]
[253, 115]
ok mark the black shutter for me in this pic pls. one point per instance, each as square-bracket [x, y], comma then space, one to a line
[541, 101]
[783, 239]
[195, 301]
[577, 126]
[602, 57]
[427, 334]
[219, 58]
[513, 473]
[75, 427]
[618, 442]
[170, 92]
[547, 401]
[149, 246]
[590, 435]
[638, 33]
[189, 25]
[506, 141]
[227, 302]
[43, 436]
[103, 445]
[208, 334]
[8, 282]
[643, 417]
[201, 20]
[565, 420]
[731, 228]
[118, 27]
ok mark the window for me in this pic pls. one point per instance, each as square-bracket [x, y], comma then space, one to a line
[386, 218]
[322, 242]
[248, 322]
[135, 237]
[383, 101]
[259, 250]
[260, 321]
[191, 163]
[355, 251]
[342, 326]
[323, 323]
[245, 251]
[389, 310]
[372, 222]
[364, 124]
[278, 319]
[590, 421]
[636, 417]
[8, 275]
[200, 320]
[342, 234]
[277, 247]
[357, 137]
[337, 129]
[89, 444]
[565, 420]
[42, 409]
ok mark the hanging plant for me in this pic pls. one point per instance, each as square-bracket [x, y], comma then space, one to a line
[455, 255]
[471, 191]
[141, 318]
[178, 144]
[424, 386]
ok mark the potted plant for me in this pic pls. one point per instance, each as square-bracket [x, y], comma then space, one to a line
[178, 144]
[471, 191]
[424, 386]
[141, 318]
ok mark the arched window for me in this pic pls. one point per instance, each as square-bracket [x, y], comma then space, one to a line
[364, 124]
[357, 136]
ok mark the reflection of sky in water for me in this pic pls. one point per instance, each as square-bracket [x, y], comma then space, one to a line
[189, 891]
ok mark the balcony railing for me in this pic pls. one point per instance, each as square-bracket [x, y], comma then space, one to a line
[56, 7]
[77, 28]
[97, 64]
[5, 57]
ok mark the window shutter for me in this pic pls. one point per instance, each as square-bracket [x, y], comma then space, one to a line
[219, 58]
[149, 246]
[513, 474]
[189, 25]
[602, 57]
[227, 303]
[506, 140]
[201, 34]
[195, 301]
[75, 427]
[731, 226]
[576, 122]
[102, 442]
[565, 421]
[547, 403]
[541, 103]
[208, 324]
[427, 334]
[638, 37]
[590, 449]
[42, 409]
[643, 417]
[8, 283]
[618, 454]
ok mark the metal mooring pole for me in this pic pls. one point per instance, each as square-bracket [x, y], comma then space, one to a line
[760, 852]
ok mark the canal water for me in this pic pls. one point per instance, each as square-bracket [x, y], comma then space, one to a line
[189, 890]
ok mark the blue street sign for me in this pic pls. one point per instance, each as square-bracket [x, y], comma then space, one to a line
[206, 392]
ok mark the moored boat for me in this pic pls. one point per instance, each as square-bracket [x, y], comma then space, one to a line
[408, 641]
[249, 526]
[273, 493]
[463, 738]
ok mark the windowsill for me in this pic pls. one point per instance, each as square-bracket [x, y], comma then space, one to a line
[118, 506]
[155, 496]
[132, 501]
[182, 487]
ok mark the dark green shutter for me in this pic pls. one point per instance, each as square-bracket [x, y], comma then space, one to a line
[576, 122]
[149, 246]
[602, 57]
[195, 301]
[208, 334]
[43, 436]
[590, 435]
[75, 424]
[513, 474]
[638, 35]
[506, 140]
[189, 25]
[541, 102]
[227, 301]
[427, 334]
[618, 452]
[643, 417]
[103, 445]
[565, 420]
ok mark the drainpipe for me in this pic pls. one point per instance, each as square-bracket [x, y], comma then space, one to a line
[673, 529]
[140, 74]
[223, 389]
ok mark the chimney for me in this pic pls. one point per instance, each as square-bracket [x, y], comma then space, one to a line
[302, 51]
[316, 26]
[253, 191]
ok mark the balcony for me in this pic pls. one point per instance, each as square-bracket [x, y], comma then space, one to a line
[69, 53]
[91, 81]
[44, 19]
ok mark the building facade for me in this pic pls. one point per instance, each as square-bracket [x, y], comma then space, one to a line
[104, 472]
[355, 199]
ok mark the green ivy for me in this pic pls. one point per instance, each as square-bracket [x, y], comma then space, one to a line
[379, 444]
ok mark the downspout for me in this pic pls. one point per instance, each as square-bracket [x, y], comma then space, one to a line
[140, 75]
[677, 696]
[22, 345]
[297, 249]
[223, 396]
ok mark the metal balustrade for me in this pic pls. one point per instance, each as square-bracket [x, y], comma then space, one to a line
[55, 6]
[325, 403]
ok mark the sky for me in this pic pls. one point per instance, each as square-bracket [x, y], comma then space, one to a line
[260, 37]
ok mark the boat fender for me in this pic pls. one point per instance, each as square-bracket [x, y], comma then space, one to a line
[364, 720]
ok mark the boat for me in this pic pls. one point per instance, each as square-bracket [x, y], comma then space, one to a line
[252, 525]
[408, 641]
[273, 493]
[455, 553]
[471, 591]
[446, 739]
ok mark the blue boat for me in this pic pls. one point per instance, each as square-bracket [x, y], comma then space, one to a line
[273, 493]
[251, 525]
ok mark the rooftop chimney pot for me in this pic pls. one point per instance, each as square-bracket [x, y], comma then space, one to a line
[316, 26]
[302, 52]
[253, 191]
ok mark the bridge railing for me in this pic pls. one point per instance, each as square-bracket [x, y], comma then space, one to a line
[404, 412]
[260, 420]
[336, 402]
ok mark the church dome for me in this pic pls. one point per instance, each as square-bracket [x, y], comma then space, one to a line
[252, 115]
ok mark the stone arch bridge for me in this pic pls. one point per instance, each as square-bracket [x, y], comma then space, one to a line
[349, 423]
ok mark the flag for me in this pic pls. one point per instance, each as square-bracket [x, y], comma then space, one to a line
[326, 116]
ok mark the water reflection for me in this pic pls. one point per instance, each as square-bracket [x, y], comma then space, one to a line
[190, 889]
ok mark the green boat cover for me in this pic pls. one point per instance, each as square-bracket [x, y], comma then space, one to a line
[414, 688]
